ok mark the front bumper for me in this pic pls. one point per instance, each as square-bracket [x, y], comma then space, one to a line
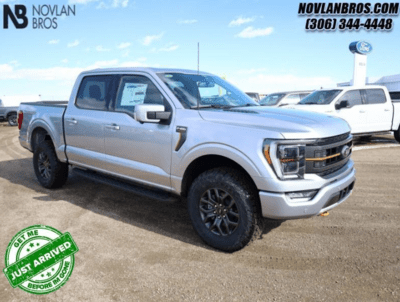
[280, 206]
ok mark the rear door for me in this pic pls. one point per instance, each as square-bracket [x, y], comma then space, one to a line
[84, 122]
[355, 114]
[379, 110]
[138, 151]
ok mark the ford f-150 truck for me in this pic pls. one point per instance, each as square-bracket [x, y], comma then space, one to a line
[171, 132]
[368, 109]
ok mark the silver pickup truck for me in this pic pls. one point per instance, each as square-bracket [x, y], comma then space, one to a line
[170, 132]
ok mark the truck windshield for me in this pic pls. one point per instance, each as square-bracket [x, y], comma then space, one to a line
[321, 97]
[204, 90]
[271, 99]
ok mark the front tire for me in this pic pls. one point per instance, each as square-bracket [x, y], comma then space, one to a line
[223, 209]
[50, 172]
[12, 120]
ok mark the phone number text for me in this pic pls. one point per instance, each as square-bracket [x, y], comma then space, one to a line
[325, 24]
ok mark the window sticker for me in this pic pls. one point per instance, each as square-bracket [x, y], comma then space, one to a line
[133, 94]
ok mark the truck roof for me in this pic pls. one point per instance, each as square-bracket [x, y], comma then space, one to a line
[294, 91]
[353, 87]
[144, 69]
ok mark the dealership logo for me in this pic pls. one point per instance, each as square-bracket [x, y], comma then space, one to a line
[360, 47]
[42, 16]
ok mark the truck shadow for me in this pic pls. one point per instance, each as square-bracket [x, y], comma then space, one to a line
[168, 218]
[374, 140]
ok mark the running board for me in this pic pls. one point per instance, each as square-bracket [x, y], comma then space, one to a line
[126, 186]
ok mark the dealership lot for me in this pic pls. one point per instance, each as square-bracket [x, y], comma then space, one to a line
[134, 248]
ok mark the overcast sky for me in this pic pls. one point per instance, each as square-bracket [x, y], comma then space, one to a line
[258, 45]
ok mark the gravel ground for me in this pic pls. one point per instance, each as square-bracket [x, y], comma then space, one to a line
[138, 249]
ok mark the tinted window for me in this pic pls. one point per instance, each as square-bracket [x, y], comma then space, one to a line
[272, 99]
[353, 97]
[395, 96]
[94, 93]
[375, 96]
[135, 90]
[320, 97]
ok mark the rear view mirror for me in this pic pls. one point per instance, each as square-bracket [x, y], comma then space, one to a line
[151, 113]
[342, 104]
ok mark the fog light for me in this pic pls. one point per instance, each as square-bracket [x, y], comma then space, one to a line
[303, 195]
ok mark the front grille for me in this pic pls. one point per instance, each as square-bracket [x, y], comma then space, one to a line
[326, 155]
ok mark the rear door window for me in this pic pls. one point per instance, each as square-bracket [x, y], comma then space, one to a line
[353, 97]
[395, 96]
[374, 96]
[94, 93]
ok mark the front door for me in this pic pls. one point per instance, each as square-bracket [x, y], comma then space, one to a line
[138, 151]
[355, 114]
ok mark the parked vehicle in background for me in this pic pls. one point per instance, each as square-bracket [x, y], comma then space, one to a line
[283, 98]
[254, 95]
[368, 110]
[9, 106]
[165, 132]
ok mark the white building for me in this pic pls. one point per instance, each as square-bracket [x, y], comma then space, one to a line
[392, 82]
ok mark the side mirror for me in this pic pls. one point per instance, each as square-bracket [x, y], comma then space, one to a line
[342, 104]
[151, 113]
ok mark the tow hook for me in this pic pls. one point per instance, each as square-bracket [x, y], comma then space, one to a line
[324, 214]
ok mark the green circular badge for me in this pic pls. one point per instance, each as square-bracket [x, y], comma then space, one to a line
[40, 259]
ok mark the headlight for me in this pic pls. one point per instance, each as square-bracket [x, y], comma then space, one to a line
[287, 158]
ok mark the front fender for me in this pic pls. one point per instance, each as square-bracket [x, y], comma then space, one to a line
[181, 163]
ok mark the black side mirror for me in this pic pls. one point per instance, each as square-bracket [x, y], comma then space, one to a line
[158, 115]
[342, 104]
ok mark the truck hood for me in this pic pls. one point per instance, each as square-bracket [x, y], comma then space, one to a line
[290, 123]
[314, 108]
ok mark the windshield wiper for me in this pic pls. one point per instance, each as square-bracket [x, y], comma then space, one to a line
[211, 106]
[248, 105]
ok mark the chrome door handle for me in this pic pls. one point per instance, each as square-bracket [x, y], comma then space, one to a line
[72, 121]
[362, 111]
[387, 109]
[112, 127]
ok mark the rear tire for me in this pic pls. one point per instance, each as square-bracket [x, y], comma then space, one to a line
[397, 134]
[12, 120]
[222, 206]
[50, 172]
